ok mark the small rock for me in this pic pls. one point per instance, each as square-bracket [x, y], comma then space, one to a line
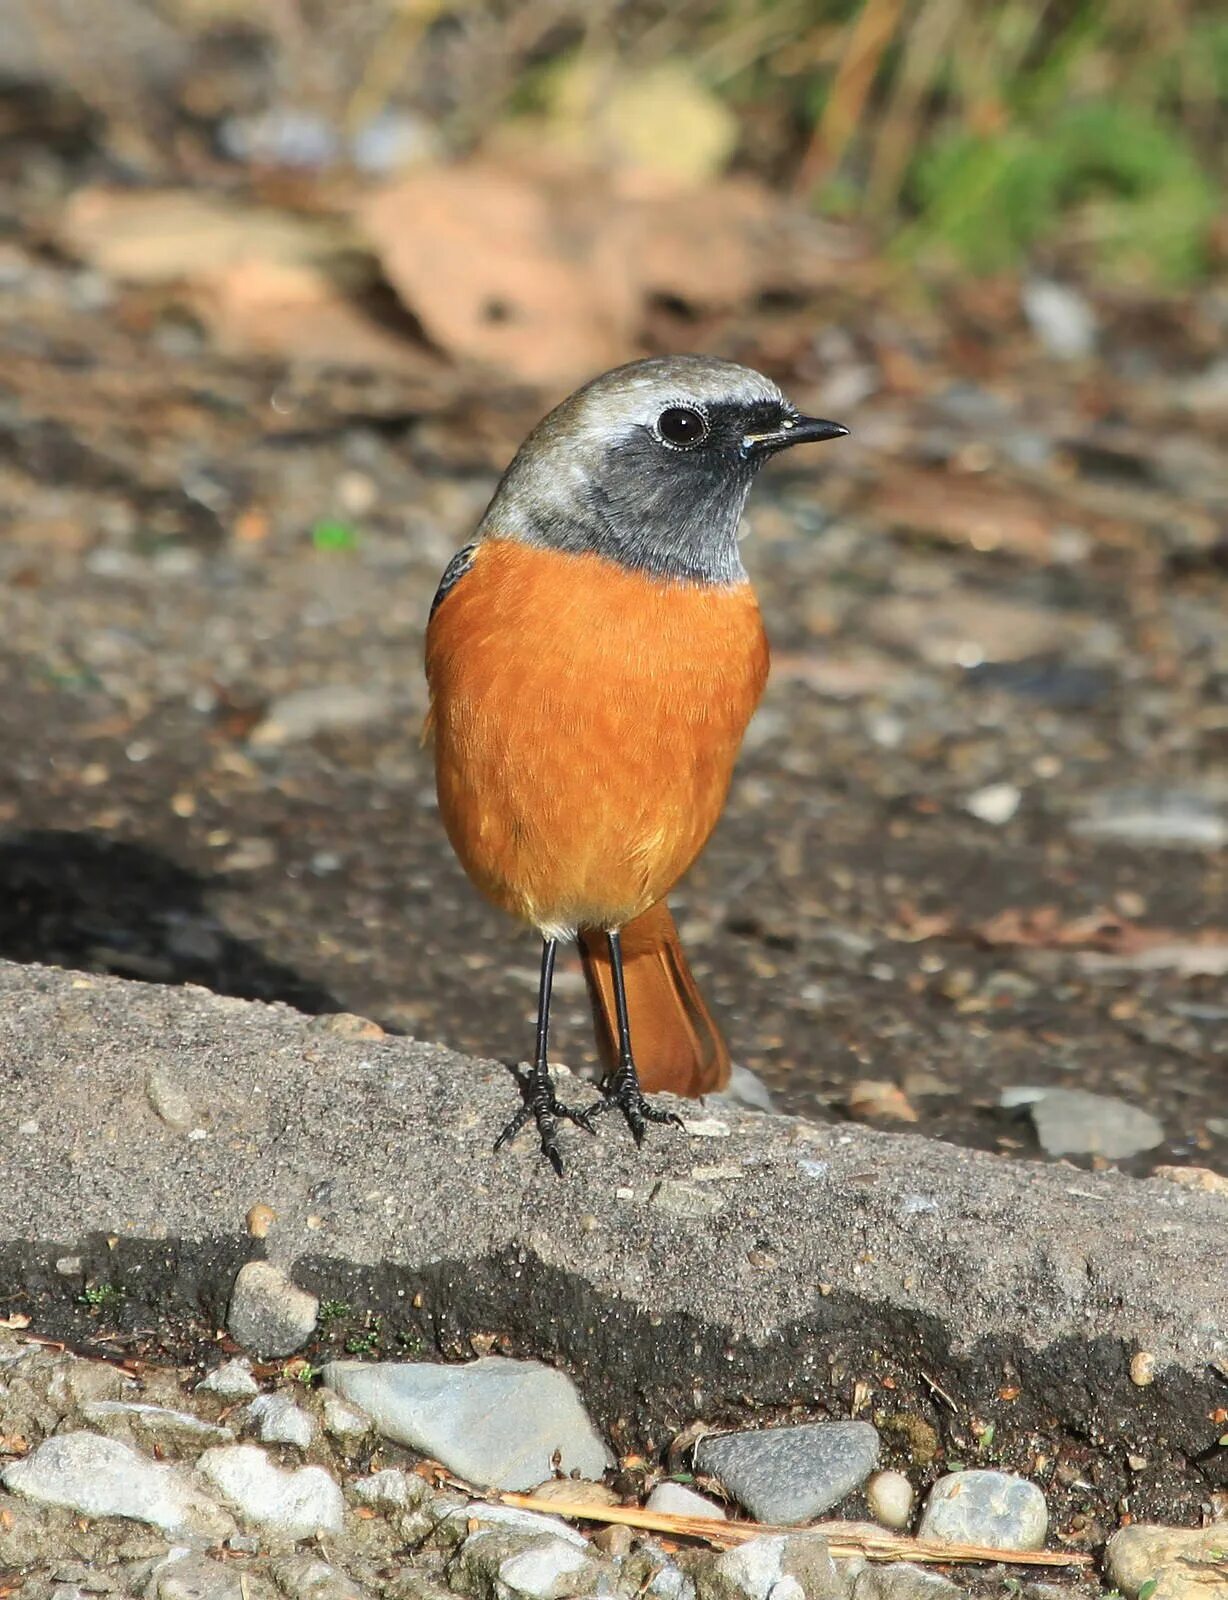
[154, 1424]
[277, 1420]
[301, 715]
[297, 1504]
[576, 1491]
[547, 1571]
[1061, 319]
[304, 1577]
[196, 1577]
[268, 1313]
[686, 1199]
[260, 1218]
[890, 1497]
[788, 1475]
[1071, 1122]
[492, 1421]
[390, 1487]
[614, 1539]
[773, 1567]
[104, 1478]
[1166, 818]
[1142, 1368]
[231, 1381]
[676, 1500]
[995, 804]
[990, 1508]
[529, 1523]
[868, 1098]
[745, 1088]
[902, 1581]
[1200, 1178]
[342, 1421]
[1187, 1563]
[169, 1100]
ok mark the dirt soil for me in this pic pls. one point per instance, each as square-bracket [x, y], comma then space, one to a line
[977, 838]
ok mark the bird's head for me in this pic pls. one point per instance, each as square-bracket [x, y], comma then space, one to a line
[650, 466]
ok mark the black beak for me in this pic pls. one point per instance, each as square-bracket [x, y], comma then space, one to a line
[797, 430]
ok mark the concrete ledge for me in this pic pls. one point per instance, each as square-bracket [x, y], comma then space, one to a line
[753, 1261]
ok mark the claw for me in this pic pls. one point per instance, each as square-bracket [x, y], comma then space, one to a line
[542, 1105]
[624, 1093]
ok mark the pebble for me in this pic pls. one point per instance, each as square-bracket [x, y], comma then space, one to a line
[989, 1508]
[1071, 1122]
[548, 1571]
[532, 1523]
[389, 1487]
[1187, 1563]
[492, 1421]
[1061, 318]
[745, 1088]
[1171, 818]
[773, 1567]
[298, 1504]
[298, 716]
[676, 1500]
[903, 1581]
[169, 1100]
[995, 804]
[105, 1478]
[154, 1424]
[231, 1381]
[678, 1199]
[194, 1577]
[304, 1577]
[342, 1421]
[268, 1314]
[277, 1420]
[890, 1498]
[789, 1475]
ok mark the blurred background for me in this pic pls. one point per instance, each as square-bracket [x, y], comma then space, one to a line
[282, 288]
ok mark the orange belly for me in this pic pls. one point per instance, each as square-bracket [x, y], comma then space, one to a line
[586, 721]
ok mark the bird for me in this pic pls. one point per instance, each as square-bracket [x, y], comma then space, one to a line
[593, 657]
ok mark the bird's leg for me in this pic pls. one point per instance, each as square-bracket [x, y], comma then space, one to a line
[622, 1087]
[540, 1102]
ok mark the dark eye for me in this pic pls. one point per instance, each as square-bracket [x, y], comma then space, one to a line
[682, 426]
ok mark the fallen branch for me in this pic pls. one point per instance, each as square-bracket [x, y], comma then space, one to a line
[852, 1538]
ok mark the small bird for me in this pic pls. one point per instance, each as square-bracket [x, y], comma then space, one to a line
[594, 656]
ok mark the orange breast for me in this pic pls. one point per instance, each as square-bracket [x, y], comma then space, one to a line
[586, 722]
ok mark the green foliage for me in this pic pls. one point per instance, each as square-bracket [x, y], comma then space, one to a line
[102, 1296]
[1141, 198]
[334, 1310]
[334, 537]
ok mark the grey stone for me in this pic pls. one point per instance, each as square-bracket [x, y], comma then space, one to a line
[1171, 819]
[1072, 1122]
[389, 1487]
[890, 1498]
[105, 1478]
[196, 1577]
[306, 712]
[676, 1500]
[772, 1567]
[154, 1424]
[296, 1504]
[903, 1581]
[268, 1313]
[1187, 1563]
[787, 1475]
[231, 1381]
[991, 1508]
[168, 1099]
[342, 1421]
[529, 1523]
[277, 1420]
[506, 1562]
[1061, 318]
[304, 1577]
[491, 1421]
[745, 1088]
[549, 1570]
[998, 1261]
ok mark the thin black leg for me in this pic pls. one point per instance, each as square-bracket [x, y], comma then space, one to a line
[622, 1089]
[540, 1102]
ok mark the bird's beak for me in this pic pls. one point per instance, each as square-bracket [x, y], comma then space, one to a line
[797, 430]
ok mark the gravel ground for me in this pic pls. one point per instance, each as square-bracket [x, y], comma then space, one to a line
[977, 839]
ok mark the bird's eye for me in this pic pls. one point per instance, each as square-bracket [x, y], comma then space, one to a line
[682, 426]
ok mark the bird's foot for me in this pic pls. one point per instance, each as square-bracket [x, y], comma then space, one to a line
[543, 1106]
[622, 1091]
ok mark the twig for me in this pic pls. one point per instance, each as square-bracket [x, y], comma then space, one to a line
[843, 1539]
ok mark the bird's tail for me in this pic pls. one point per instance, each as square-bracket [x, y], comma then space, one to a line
[677, 1044]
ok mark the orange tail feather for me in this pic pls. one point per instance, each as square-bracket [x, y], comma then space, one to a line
[677, 1045]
